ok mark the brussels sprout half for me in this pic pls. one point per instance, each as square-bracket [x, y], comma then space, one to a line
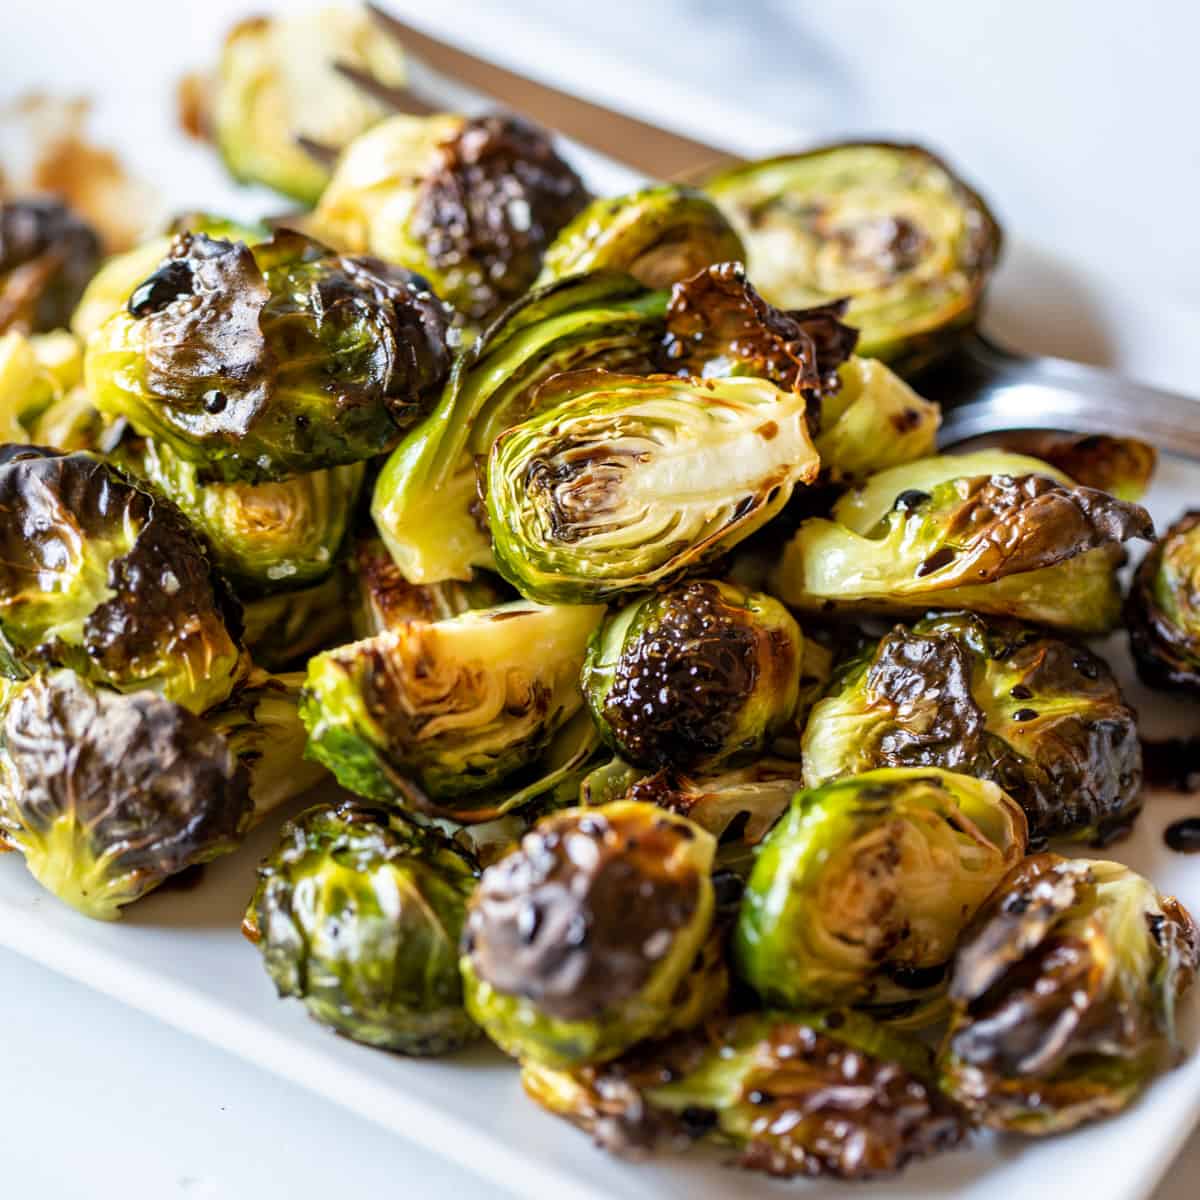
[255, 363]
[452, 706]
[1042, 717]
[796, 1093]
[1064, 995]
[469, 202]
[859, 894]
[693, 676]
[890, 226]
[658, 235]
[358, 914]
[278, 80]
[98, 575]
[579, 943]
[626, 482]
[1163, 610]
[264, 536]
[426, 504]
[1021, 545]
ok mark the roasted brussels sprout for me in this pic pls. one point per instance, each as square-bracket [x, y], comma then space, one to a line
[1042, 717]
[278, 81]
[579, 943]
[284, 628]
[890, 226]
[457, 705]
[1163, 610]
[859, 893]
[98, 575]
[358, 914]
[658, 235]
[1064, 995]
[263, 536]
[386, 600]
[426, 500]
[799, 1093]
[1022, 545]
[256, 363]
[108, 795]
[469, 202]
[27, 387]
[693, 676]
[626, 482]
[47, 256]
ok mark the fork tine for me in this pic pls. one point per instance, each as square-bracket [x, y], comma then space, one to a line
[401, 99]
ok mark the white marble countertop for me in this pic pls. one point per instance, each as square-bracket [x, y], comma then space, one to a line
[1072, 118]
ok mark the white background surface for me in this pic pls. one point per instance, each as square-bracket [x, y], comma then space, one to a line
[1077, 120]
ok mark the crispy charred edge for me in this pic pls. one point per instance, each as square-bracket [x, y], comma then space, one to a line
[1166, 656]
[1121, 466]
[462, 210]
[47, 256]
[717, 314]
[578, 940]
[1029, 1001]
[155, 789]
[805, 1090]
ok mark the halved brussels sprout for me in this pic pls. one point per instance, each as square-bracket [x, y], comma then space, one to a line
[263, 536]
[426, 503]
[47, 256]
[277, 81]
[890, 226]
[1064, 995]
[1042, 717]
[451, 706]
[386, 600]
[580, 942]
[255, 363]
[98, 575]
[796, 1093]
[469, 202]
[358, 914]
[283, 629]
[659, 234]
[27, 388]
[859, 894]
[1163, 610]
[627, 482]
[1021, 545]
[108, 795]
[693, 676]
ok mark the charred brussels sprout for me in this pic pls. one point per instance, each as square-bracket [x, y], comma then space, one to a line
[457, 705]
[579, 943]
[626, 482]
[1163, 610]
[98, 575]
[263, 536]
[426, 503]
[1023, 545]
[256, 363]
[284, 628]
[1064, 995]
[1042, 717]
[693, 676]
[858, 896]
[358, 914]
[889, 226]
[469, 202]
[799, 1093]
[658, 235]
[1123, 466]
[47, 256]
[278, 81]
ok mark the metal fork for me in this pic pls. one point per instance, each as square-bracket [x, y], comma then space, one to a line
[984, 388]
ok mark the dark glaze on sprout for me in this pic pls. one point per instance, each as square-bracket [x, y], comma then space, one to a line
[1183, 836]
[578, 919]
[493, 167]
[1172, 764]
[47, 256]
[1163, 609]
